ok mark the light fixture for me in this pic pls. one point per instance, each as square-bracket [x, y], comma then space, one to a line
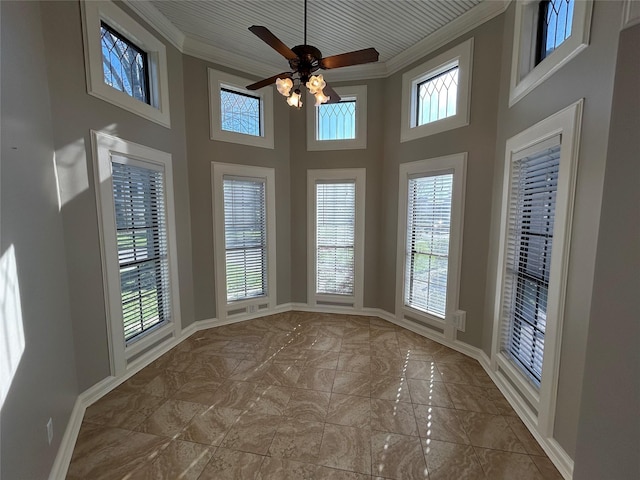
[295, 99]
[284, 86]
[315, 84]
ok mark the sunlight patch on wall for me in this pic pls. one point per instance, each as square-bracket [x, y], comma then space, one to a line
[71, 170]
[11, 328]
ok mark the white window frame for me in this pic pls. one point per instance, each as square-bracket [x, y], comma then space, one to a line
[92, 14]
[565, 123]
[226, 309]
[219, 80]
[457, 165]
[104, 147]
[313, 177]
[462, 55]
[354, 92]
[525, 75]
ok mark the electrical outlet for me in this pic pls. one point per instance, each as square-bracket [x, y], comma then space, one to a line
[460, 320]
[50, 430]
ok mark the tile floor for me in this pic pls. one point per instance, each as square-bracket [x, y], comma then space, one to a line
[307, 396]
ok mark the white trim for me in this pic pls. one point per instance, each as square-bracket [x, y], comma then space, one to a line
[457, 165]
[104, 147]
[525, 76]
[251, 306]
[631, 13]
[150, 14]
[92, 14]
[354, 92]
[478, 15]
[219, 80]
[462, 56]
[567, 124]
[359, 176]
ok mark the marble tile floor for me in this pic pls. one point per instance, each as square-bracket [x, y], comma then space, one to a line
[307, 396]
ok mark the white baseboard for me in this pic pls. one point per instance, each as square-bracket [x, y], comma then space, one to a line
[562, 461]
[556, 453]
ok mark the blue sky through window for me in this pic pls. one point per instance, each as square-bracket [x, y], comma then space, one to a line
[124, 64]
[240, 113]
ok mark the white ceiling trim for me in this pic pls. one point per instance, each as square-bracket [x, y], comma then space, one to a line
[157, 20]
[473, 18]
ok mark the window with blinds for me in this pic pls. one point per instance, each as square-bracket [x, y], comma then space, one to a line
[335, 237]
[245, 232]
[141, 236]
[531, 213]
[427, 248]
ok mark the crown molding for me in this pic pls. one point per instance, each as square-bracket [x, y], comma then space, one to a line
[157, 20]
[475, 17]
[213, 54]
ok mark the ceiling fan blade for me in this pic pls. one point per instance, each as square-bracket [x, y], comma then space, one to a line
[268, 81]
[274, 42]
[331, 93]
[358, 57]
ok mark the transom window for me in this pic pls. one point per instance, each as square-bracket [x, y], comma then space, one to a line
[437, 96]
[238, 115]
[245, 233]
[125, 65]
[341, 125]
[336, 121]
[240, 112]
[546, 35]
[555, 19]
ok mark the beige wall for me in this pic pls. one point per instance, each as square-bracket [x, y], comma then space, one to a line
[44, 385]
[478, 139]
[62, 260]
[609, 428]
[588, 76]
[369, 158]
[201, 152]
[76, 113]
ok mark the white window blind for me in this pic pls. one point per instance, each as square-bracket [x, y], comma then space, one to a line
[427, 248]
[532, 203]
[335, 237]
[245, 228]
[139, 198]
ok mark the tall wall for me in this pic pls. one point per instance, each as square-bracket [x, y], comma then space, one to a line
[588, 76]
[609, 429]
[369, 158]
[44, 384]
[478, 139]
[201, 152]
[47, 116]
[76, 113]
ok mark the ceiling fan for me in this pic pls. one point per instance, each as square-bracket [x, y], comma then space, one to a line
[304, 61]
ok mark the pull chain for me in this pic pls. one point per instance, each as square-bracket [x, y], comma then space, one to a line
[305, 22]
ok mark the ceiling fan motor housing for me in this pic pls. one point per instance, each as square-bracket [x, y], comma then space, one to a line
[307, 61]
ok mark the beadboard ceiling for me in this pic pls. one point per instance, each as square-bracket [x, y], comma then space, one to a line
[401, 30]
